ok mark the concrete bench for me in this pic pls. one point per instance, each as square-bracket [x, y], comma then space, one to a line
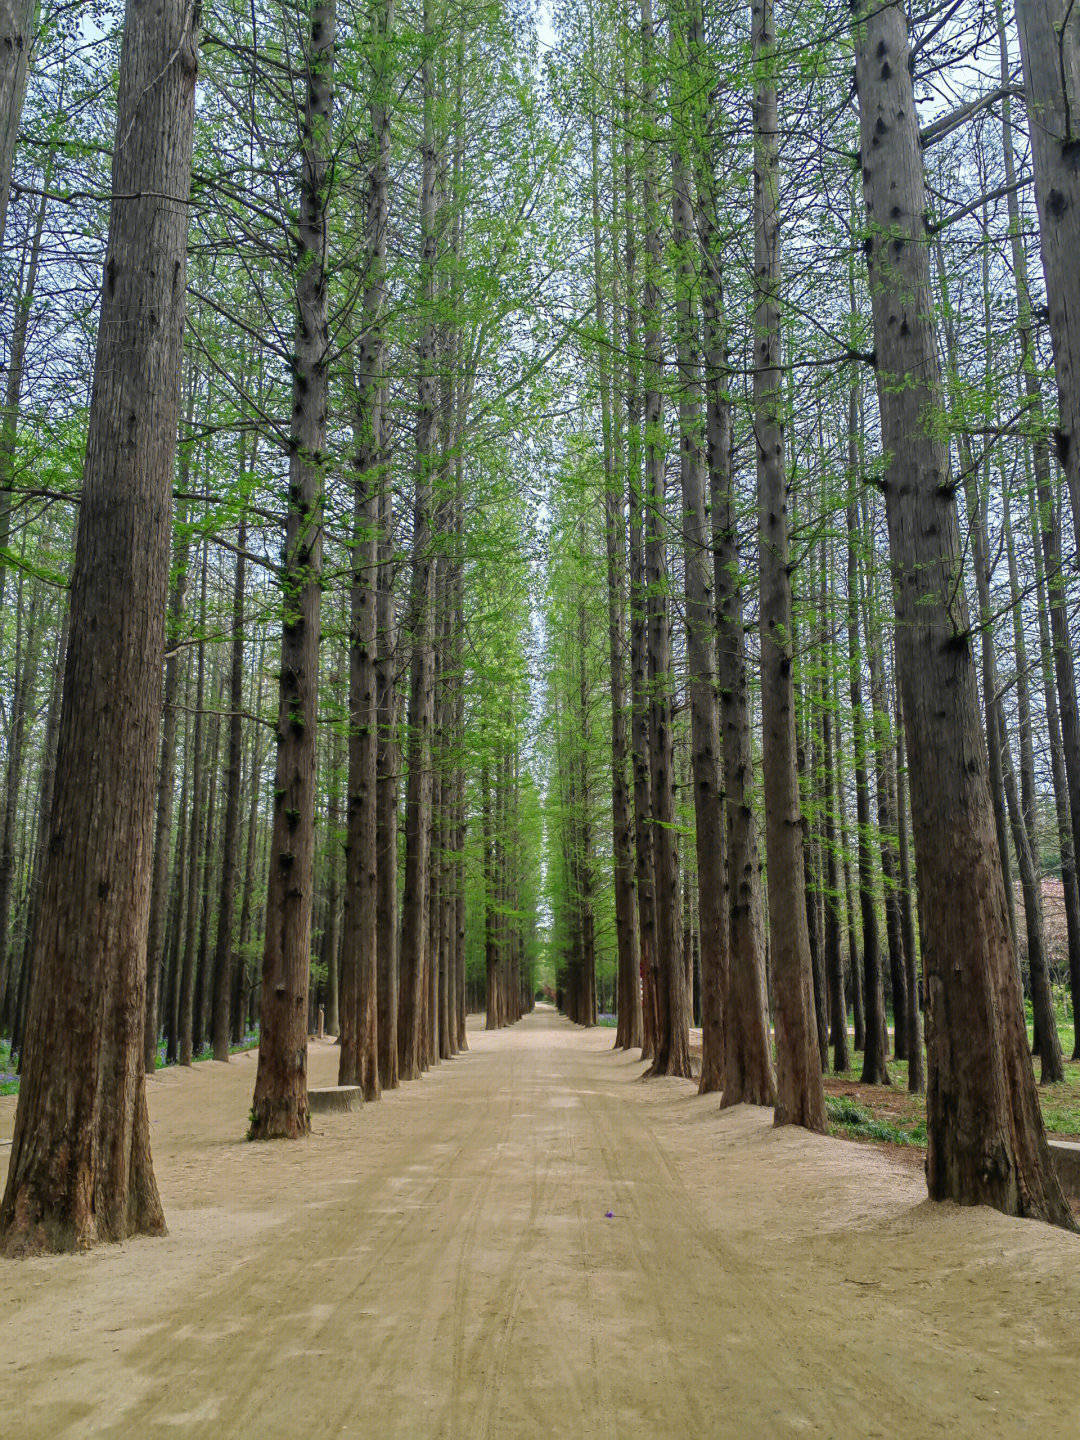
[335, 1099]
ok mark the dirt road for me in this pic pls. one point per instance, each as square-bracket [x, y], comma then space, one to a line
[443, 1265]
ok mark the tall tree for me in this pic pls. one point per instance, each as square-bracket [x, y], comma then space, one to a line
[672, 1042]
[280, 1106]
[986, 1142]
[80, 1169]
[419, 625]
[698, 578]
[800, 1098]
[1049, 32]
[16, 24]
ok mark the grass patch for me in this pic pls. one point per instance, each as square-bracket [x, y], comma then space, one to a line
[852, 1121]
[9, 1081]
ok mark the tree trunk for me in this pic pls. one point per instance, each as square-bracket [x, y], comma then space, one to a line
[834, 960]
[701, 663]
[386, 806]
[80, 1169]
[672, 1041]
[749, 1076]
[874, 1070]
[1049, 32]
[628, 1001]
[331, 936]
[194, 850]
[48, 779]
[159, 892]
[800, 1098]
[280, 1106]
[885, 787]
[639, 718]
[16, 359]
[247, 993]
[916, 1064]
[230, 841]
[359, 1059]
[208, 857]
[1063, 720]
[414, 926]
[986, 1143]
[16, 37]
[27, 645]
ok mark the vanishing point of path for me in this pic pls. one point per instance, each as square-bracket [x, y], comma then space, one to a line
[443, 1265]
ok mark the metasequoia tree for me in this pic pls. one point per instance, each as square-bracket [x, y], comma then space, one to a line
[985, 1138]
[874, 1071]
[16, 37]
[671, 1054]
[419, 620]
[359, 1060]
[159, 892]
[1049, 32]
[80, 1169]
[230, 841]
[749, 1076]
[800, 1099]
[279, 1108]
[644, 873]
[698, 577]
[628, 1032]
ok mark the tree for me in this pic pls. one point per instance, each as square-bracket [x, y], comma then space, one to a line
[280, 1105]
[16, 22]
[985, 1138]
[1049, 32]
[80, 1169]
[800, 1099]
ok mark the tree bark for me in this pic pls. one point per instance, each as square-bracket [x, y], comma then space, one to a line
[834, 960]
[800, 1098]
[916, 1061]
[195, 824]
[749, 1075]
[230, 840]
[885, 788]
[628, 1001]
[80, 1170]
[279, 1108]
[700, 656]
[672, 1040]
[1059, 680]
[415, 917]
[874, 1070]
[386, 806]
[359, 1058]
[1049, 32]
[639, 717]
[16, 37]
[48, 778]
[159, 891]
[986, 1143]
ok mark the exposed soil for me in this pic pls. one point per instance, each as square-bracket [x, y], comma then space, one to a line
[443, 1265]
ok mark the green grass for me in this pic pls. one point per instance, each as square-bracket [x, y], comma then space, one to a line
[890, 1114]
[853, 1121]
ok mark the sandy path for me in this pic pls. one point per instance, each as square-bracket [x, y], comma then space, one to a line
[441, 1266]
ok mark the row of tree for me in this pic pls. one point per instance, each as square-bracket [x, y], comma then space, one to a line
[331, 598]
[914, 752]
[516, 543]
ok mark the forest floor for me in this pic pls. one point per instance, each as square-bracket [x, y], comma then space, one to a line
[445, 1264]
